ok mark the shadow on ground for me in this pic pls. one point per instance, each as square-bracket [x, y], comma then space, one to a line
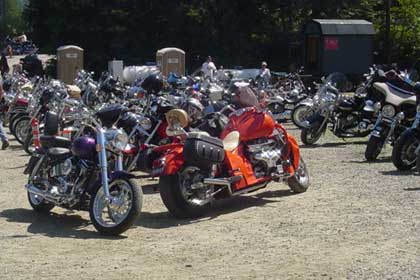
[165, 220]
[52, 224]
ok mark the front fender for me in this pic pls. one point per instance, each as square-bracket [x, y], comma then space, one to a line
[306, 102]
[112, 177]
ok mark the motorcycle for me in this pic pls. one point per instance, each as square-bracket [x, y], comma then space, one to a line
[252, 151]
[75, 176]
[395, 113]
[346, 116]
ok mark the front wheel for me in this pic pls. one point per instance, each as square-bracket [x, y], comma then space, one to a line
[311, 135]
[180, 198]
[404, 152]
[114, 218]
[373, 148]
[299, 182]
[300, 114]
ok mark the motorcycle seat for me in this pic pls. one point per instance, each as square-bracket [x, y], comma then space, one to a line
[231, 141]
[346, 105]
[59, 153]
[48, 142]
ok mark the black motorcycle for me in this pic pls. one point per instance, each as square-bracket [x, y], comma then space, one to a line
[345, 116]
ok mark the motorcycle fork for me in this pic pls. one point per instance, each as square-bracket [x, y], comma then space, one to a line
[101, 142]
[323, 123]
[391, 131]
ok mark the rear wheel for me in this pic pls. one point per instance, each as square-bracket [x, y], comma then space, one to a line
[373, 148]
[179, 195]
[299, 182]
[311, 135]
[404, 152]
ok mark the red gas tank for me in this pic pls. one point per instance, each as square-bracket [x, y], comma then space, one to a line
[250, 123]
[21, 102]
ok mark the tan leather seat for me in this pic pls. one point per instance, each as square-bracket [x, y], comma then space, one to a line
[231, 141]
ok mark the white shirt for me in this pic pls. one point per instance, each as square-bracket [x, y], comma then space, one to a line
[208, 69]
[265, 74]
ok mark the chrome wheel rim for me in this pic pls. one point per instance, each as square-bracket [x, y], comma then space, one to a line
[409, 152]
[21, 130]
[301, 114]
[301, 174]
[194, 196]
[112, 214]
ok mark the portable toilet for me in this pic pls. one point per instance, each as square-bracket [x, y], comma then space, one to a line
[171, 60]
[69, 61]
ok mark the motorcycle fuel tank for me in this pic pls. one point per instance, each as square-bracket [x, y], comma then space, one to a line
[250, 123]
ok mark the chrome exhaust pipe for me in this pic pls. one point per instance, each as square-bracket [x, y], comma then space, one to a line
[35, 191]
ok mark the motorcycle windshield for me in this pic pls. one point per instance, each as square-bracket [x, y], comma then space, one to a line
[337, 80]
[247, 97]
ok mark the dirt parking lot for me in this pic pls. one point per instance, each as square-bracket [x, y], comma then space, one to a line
[357, 221]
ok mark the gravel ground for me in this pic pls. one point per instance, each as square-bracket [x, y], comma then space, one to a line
[357, 221]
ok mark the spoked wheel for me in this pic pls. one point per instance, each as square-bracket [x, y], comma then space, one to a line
[404, 152]
[311, 135]
[182, 194]
[114, 218]
[22, 128]
[299, 182]
[39, 204]
[300, 114]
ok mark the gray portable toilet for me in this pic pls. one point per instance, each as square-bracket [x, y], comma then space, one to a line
[69, 61]
[171, 60]
[336, 45]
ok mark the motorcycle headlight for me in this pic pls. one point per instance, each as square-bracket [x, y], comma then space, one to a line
[388, 111]
[116, 139]
[145, 123]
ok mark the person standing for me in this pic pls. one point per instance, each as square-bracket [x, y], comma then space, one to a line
[264, 72]
[3, 136]
[4, 66]
[208, 68]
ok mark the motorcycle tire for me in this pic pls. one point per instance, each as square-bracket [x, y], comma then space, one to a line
[28, 144]
[22, 128]
[39, 204]
[418, 164]
[309, 136]
[299, 182]
[129, 219]
[297, 113]
[172, 197]
[373, 148]
[405, 147]
[12, 122]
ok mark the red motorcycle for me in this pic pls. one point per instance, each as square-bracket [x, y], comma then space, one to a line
[252, 151]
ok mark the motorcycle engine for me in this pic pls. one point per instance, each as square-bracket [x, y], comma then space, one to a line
[264, 155]
[62, 176]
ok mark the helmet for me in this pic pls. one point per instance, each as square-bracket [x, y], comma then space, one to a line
[194, 109]
[85, 148]
[152, 84]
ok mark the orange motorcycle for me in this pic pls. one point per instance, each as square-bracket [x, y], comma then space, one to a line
[252, 151]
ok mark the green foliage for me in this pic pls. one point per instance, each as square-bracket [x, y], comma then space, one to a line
[13, 22]
[233, 32]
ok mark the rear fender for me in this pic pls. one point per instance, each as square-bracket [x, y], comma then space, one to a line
[170, 162]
